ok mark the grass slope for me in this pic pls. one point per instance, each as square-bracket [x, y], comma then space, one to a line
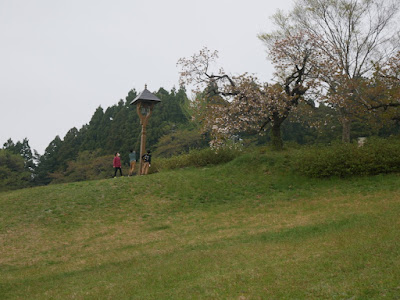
[244, 230]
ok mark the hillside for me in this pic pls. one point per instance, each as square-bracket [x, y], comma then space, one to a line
[248, 229]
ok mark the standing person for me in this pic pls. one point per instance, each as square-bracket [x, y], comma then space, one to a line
[117, 164]
[146, 158]
[132, 161]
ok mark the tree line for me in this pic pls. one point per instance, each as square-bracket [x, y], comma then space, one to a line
[337, 76]
[85, 153]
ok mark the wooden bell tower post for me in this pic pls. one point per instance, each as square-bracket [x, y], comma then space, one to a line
[144, 102]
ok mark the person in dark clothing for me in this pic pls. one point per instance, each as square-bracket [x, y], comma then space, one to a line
[132, 162]
[117, 164]
[146, 158]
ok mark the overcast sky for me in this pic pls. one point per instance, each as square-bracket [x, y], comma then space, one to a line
[61, 59]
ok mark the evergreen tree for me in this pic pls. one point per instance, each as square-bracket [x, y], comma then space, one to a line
[13, 174]
[22, 148]
[49, 162]
[10, 146]
[70, 146]
[115, 129]
[93, 133]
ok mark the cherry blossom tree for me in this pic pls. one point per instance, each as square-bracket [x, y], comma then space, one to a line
[233, 104]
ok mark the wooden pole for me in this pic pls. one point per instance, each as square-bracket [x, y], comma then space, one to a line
[142, 147]
[143, 121]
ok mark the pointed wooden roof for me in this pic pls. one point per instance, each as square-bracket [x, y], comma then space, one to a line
[145, 96]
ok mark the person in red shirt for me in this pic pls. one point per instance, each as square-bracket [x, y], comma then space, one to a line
[117, 164]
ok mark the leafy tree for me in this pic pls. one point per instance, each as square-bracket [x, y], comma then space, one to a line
[13, 174]
[384, 91]
[351, 36]
[89, 165]
[22, 148]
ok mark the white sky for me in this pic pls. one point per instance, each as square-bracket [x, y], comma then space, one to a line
[61, 59]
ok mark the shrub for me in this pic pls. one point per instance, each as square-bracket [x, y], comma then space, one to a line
[195, 158]
[375, 157]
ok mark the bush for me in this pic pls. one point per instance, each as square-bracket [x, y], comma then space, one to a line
[195, 158]
[375, 157]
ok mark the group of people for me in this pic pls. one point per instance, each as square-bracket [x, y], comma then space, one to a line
[146, 162]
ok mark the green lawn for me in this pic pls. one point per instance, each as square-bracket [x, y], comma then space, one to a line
[249, 229]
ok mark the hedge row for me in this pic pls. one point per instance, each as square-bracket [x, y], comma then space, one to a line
[376, 156]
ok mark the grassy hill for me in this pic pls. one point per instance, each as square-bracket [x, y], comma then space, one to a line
[248, 229]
